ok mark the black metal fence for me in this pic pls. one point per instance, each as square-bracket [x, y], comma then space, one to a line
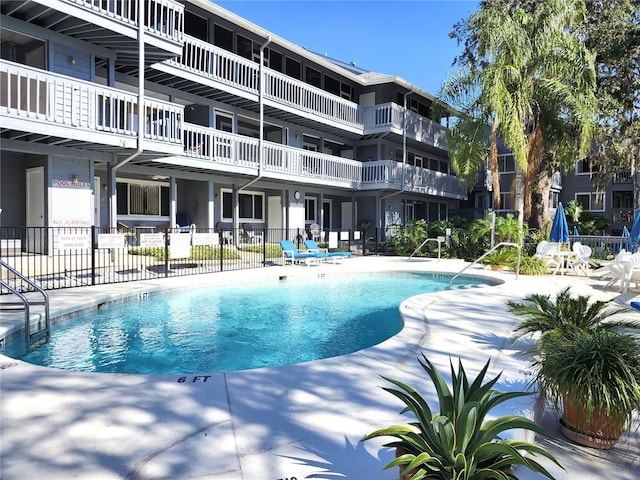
[67, 257]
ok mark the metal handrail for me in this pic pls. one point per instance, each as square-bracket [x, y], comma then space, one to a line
[501, 244]
[440, 240]
[25, 301]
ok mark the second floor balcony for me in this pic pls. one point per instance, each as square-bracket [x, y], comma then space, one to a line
[216, 150]
[65, 111]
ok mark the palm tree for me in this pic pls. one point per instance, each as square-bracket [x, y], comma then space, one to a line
[527, 79]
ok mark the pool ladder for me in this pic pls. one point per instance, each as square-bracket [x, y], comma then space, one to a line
[36, 330]
[492, 249]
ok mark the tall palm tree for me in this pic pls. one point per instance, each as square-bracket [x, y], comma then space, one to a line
[529, 81]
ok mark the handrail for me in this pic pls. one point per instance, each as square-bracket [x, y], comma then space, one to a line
[27, 316]
[439, 240]
[501, 244]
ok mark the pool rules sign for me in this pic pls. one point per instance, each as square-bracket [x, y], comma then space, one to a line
[71, 214]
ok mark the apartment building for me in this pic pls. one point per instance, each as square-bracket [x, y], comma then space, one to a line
[614, 201]
[140, 113]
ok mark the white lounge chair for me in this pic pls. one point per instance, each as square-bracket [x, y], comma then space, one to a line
[550, 253]
[615, 269]
[631, 271]
[580, 261]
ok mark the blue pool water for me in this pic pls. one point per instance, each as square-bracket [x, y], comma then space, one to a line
[237, 327]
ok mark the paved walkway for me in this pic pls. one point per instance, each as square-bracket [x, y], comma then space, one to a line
[293, 422]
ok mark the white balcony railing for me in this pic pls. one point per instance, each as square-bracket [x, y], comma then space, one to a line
[163, 18]
[57, 101]
[391, 116]
[389, 174]
[240, 151]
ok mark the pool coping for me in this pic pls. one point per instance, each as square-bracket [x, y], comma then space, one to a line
[301, 421]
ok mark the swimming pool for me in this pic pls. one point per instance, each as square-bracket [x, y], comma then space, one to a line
[238, 327]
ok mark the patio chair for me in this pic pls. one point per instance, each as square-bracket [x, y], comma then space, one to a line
[182, 223]
[549, 252]
[581, 260]
[290, 253]
[615, 269]
[312, 246]
[631, 271]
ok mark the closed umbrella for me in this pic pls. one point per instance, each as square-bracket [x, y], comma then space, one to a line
[575, 231]
[635, 230]
[626, 234]
[560, 228]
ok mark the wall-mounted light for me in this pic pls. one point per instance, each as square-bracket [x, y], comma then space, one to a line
[71, 60]
[73, 179]
[104, 187]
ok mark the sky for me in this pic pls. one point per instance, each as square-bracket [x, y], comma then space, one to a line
[405, 38]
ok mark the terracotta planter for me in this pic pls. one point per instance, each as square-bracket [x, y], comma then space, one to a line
[497, 268]
[600, 431]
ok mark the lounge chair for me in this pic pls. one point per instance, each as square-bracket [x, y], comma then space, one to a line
[615, 270]
[549, 252]
[632, 271]
[290, 253]
[581, 260]
[312, 246]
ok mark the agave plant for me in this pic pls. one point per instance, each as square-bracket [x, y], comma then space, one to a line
[568, 314]
[458, 443]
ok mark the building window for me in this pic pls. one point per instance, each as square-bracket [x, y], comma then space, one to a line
[593, 201]
[505, 201]
[310, 210]
[554, 199]
[507, 163]
[313, 77]
[142, 198]
[293, 68]
[275, 60]
[223, 38]
[250, 206]
[583, 166]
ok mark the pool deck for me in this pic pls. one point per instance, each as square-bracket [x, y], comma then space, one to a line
[294, 422]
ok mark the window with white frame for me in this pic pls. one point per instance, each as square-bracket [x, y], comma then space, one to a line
[310, 210]
[593, 201]
[554, 199]
[583, 166]
[250, 206]
[140, 198]
[506, 163]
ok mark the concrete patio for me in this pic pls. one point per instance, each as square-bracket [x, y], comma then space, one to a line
[294, 422]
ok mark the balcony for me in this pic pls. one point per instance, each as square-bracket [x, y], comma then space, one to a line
[388, 118]
[109, 23]
[43, 107]
[212, 149]
[622, 177]
[236, 80]
[388, 174]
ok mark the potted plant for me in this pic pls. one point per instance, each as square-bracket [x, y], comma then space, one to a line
[594, 375]
[587, 364]
[499, 259]
[458, 442]
[567, 314]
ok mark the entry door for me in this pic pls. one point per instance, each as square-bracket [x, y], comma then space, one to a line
[274, 215]
[326, 215]
[35, 209]
[346, 222]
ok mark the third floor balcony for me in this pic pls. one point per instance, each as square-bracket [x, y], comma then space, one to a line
[109, 23]
[236, 80]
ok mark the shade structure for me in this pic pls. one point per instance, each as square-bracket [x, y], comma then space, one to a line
[560, 227]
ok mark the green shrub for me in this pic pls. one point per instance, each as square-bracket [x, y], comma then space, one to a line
[531, 266]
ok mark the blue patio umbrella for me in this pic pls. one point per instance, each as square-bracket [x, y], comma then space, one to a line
[560, 227]
[575, 231]
[634, 235]
[626, 234]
